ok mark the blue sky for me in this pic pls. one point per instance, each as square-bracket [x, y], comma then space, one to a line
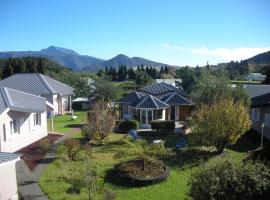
[178, 32]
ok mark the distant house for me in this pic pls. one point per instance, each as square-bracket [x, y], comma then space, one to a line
[8, 180]
[159, 101]
[260, 113]
[56, 93]
[81, 103]
[255, 77]
[23, 119]
[170, 81]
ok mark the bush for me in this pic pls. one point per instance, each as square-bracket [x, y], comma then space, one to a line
[73, 148]
[224, 179]
[163, 125]
[128, 125]
[220, 124]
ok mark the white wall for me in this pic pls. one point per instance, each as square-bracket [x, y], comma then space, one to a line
[28, 132]
[8, 181]
[53, 99]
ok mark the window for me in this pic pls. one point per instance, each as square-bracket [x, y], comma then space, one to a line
[37, 119]
[125, 109]
[256, 114]
[267, 119]
[158, 114]
[149, 116]
[14, 126]
[4, 132]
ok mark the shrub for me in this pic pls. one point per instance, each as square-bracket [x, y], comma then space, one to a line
[44, 144]
[220, 124]
[163, 125]
[73, 148]
[225, 179]
[99, 124]
[128, 125]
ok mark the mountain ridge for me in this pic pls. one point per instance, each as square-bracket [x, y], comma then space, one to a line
[78, 62]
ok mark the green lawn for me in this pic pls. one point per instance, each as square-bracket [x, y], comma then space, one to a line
[63, 124]
[182, 165]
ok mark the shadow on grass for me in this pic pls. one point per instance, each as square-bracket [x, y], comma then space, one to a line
[73, 126]
[249, 141]
[171, 139]
[189, 157]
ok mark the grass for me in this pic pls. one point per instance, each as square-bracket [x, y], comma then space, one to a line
[182, 165]
[62, 124]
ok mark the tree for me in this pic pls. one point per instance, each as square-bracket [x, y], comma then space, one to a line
[105, 90]
[143, 79]
[188, 76]
[220, 124]
[100, 122]
[267, 79]
[40, 66]
[166, 69]
[224, 179]
[91, 180]
[8, 70]
[211, 87]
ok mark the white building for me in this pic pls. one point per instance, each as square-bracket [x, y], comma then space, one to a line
[8, 180]
[23, 119]
[255, 77]
[58, 94]
[170, 81]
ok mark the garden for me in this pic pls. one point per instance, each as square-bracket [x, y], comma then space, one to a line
[98, 164]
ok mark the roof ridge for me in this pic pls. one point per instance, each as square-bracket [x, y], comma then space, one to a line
[26, 93]
[9, 102]
[154, 101]
[46, 84]
[170, 96]
[2, 91]
[143, 100]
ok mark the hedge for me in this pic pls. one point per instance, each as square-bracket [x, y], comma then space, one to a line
[128, 125]
[162, 125]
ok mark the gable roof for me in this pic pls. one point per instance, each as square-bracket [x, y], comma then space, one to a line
[5, 157]
[150, 101]
[21, 101]
[36, 84]
[177, 99]
[259, 101]
[254, 90]
[160, 88]
[131, 98]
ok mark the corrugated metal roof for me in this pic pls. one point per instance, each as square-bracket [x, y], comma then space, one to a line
[150, 101]
[131, 98]
[37, 84]
[263, 100]
[5, 157]
[254, 90]
[160, 88]
[177, 99]
[21, 101]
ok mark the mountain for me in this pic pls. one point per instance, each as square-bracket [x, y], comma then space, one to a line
[262, 58]
[77, 62]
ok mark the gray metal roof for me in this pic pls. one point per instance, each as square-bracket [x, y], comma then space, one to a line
[21, 101]
[260, 101]
[5, 157]
[160, 88]
[150, 101]
[131, 98]
[37, 84]
[254, 90]
[177, 99]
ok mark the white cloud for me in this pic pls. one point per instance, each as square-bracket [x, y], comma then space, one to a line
[226, 54]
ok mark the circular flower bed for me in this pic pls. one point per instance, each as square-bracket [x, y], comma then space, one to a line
[143, 172]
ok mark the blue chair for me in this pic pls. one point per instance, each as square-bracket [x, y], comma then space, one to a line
[133, 134]
[183, 142]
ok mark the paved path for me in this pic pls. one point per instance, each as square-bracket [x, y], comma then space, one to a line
[27, 180]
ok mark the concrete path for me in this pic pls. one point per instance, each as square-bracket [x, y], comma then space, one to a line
[27, 180]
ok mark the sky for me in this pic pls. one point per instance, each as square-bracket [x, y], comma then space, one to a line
[177, 32]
